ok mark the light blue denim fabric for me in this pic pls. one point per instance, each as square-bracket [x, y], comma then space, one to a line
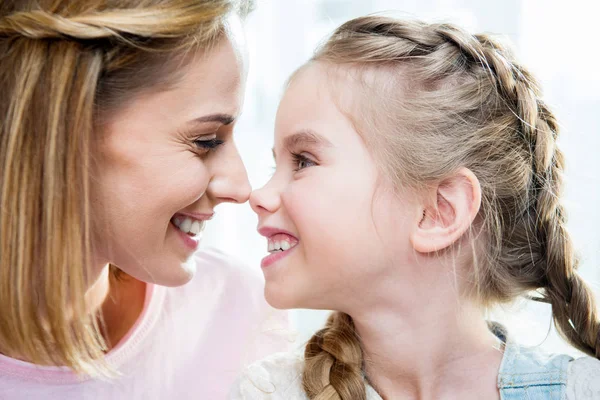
[530, 374]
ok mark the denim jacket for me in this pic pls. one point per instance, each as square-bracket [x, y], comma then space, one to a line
[528, 373]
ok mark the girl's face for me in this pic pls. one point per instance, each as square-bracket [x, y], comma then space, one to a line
[166, 161]
[333, 224]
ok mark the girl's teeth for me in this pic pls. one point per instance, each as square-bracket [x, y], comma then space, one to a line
[276, 245]
[177, 221]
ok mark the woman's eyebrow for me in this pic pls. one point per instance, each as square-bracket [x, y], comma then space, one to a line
[224, 119]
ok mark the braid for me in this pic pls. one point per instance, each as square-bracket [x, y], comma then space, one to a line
[573, 305]
[333, 367]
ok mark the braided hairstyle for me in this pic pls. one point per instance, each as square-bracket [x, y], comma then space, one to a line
[445, 99]
[64, 66]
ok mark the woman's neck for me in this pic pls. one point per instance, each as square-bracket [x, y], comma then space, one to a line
[119, 301]
[120, 298]
[443, 349]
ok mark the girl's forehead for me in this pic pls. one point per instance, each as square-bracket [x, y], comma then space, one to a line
[343, 85]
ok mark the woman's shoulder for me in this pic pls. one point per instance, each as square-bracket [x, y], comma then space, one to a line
[276, 377]
[584, 379]
[211, 258]
[219, 268]
[232, 296]
[229, 291]
[232, 287]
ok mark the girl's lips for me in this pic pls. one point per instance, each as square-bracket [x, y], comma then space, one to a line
[268, 231]
[278, 236]
[275, 257]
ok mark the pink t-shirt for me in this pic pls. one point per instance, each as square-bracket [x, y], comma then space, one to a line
[189, 343]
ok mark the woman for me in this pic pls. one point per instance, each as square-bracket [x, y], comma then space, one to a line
[116, 146]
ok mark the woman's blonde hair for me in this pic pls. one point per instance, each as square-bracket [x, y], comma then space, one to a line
[442, 99]
[63, 64]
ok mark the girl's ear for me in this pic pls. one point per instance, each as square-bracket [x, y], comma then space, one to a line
[447, 212]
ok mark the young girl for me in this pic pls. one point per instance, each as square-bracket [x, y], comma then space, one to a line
[418, 183]
[116, 123]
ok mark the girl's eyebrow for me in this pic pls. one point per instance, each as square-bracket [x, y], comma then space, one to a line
[304, 137]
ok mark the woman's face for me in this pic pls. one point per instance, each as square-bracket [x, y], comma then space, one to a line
[332, 226]
[167, 159]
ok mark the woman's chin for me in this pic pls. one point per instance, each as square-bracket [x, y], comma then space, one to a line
[175, 274]
[182, 274]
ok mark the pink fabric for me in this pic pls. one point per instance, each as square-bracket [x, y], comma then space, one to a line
[189, 343]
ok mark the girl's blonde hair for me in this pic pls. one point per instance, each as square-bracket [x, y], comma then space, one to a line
[442, 99]
[63, 64]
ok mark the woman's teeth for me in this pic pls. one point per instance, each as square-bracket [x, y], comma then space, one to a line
[188, 225]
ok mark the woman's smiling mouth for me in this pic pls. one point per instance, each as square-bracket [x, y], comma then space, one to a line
[189, 225]
[190, 228]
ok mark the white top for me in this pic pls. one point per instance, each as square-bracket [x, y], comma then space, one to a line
[279, 377]
[190, 342]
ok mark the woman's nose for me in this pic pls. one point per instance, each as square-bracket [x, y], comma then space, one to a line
[230, 180]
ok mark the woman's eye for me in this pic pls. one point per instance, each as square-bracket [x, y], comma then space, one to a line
[208, 145]
[301, 162]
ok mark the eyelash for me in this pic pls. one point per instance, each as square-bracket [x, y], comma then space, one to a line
[208, 145]
[298, 158]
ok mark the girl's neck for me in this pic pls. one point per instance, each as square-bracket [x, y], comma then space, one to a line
[443, 349]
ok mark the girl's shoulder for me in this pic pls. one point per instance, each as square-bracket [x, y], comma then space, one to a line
[276, 377]
[524, 367]
[584, 379]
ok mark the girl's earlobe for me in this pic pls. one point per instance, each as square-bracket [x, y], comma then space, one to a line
[449, 213]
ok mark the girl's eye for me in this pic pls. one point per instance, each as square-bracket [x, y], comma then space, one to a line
[208, 145]
[301, 162]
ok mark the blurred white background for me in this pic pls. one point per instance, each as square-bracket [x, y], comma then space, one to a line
[555, 39]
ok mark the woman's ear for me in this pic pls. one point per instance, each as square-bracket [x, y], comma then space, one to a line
[447, 212]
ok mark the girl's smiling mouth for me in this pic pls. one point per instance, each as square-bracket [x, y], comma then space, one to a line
[280, 244]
